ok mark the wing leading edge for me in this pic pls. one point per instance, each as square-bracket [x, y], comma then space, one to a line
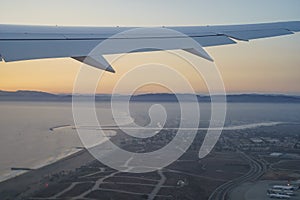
[19, 42]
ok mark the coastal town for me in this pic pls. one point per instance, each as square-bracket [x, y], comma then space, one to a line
[242, 160]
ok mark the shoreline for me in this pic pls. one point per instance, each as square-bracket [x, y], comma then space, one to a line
[21, 170]
[31, 181]
[24, 185]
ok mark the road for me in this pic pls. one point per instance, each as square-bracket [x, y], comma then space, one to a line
[257, 169]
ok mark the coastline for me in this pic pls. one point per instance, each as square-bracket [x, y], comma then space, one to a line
[27, 183]
[17, 171]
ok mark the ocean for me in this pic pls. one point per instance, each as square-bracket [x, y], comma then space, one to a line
[34, 134]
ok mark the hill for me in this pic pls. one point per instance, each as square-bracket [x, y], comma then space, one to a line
[24, 95]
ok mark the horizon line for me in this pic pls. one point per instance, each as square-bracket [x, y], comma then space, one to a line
[157, 93]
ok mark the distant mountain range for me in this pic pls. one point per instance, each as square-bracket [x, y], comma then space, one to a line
[230, 98]
[24, 95]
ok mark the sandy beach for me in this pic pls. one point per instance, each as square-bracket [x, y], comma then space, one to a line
[27, 183]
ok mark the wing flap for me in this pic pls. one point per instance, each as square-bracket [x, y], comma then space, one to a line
[16, 50]
[255, 34]
[37, 49]
[292, 26]
[213, 40]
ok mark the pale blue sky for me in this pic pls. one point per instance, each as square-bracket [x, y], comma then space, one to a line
[147, 12]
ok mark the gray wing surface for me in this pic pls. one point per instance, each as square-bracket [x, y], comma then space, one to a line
[18, 42]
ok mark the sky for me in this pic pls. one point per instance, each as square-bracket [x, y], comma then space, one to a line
[261, 66]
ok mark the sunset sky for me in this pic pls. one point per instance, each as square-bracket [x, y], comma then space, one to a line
[260, 66]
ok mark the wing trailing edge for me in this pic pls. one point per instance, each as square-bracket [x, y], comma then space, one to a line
[18, 42]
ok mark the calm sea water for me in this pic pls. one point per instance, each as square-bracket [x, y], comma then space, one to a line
[27, 141]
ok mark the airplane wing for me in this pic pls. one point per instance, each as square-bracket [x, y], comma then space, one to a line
[18, 42]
